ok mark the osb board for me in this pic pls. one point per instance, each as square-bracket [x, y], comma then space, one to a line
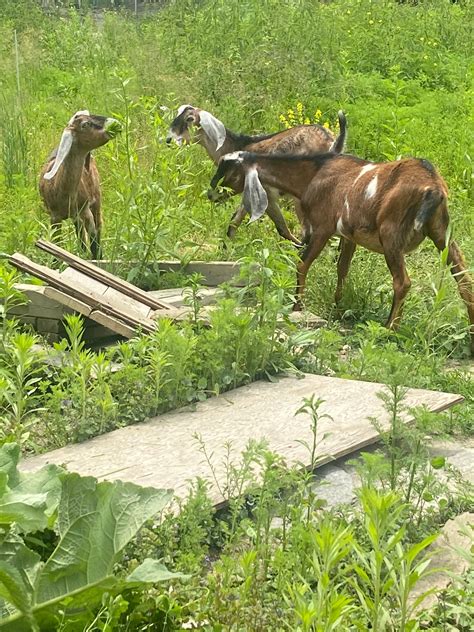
[164, 452]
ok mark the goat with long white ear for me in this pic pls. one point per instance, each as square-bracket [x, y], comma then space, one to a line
[387, 207]
[212, 134]
[69, 182]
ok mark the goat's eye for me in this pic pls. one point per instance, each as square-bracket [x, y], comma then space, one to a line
[85, 124]
[189, 119]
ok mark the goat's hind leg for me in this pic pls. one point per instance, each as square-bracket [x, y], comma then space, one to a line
[401, 284]
[460, 273]
[346, 252]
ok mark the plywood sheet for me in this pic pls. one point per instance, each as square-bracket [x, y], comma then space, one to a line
[165, 453]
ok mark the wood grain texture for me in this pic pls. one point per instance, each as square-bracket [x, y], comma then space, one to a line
[164, 453]
[94, 272]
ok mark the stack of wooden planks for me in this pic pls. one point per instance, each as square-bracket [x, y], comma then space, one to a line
[97, 294]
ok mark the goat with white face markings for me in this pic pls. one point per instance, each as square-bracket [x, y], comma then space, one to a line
[69, 182]
[218, 141]
[387, 207]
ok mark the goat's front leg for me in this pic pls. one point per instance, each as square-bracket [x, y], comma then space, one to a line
[91, 230]
[346, 252]
[80, 232]
[275, 214]
[401, 284]
[237, 219]
[311, 252]
[97, 215]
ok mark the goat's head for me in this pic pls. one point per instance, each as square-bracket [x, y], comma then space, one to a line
[84, 132]
[254, 197]
[189, 116]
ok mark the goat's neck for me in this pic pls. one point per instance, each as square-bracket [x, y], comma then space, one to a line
[69, 174]
[214, 154]
[288, 176]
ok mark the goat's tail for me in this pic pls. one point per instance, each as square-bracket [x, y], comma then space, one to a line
[431, 200]
[338, 145]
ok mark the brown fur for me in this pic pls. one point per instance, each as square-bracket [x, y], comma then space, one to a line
[302, 139]
[74, 192]
[388, 208]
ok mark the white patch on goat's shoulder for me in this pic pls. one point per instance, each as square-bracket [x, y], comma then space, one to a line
[346, 205]
[371, 189]
[235, 156]
[183, 107]
[364, 170]
[339, 227]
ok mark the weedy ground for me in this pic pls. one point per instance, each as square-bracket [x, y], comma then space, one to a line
[403, 74]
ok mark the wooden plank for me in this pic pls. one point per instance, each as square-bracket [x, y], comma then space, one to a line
[80, 280]
[113, 324]
[164, 453]
[176, 296]
[122, 301]
[99, 274]
[214, 272]
[90, 298]
[67, 300]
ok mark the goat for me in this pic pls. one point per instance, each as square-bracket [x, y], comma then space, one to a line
[69, 181]
[218, 141]
[387, 207]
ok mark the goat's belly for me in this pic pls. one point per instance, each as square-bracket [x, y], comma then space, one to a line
[367, 240]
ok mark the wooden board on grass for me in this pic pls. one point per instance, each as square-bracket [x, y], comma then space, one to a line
[94, 272]
[165, 453]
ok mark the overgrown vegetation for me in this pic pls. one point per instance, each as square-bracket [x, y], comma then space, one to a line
[276, 558]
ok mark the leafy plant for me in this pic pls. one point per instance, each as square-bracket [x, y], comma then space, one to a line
[94, 522]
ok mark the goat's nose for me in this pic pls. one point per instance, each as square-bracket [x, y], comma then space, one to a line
[168, 140]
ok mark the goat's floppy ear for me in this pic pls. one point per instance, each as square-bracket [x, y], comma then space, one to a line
[255, 197]
[214, 128]
[63, 150]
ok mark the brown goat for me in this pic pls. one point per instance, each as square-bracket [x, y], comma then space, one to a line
[218, 141]
[387, 207]
[69, 182]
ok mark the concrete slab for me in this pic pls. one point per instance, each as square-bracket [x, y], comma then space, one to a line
[164, 452]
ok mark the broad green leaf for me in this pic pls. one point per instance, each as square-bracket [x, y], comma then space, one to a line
[14, 554]
[9, 456]
[27, 510]
[151, 571]
[12, 587]
[95, 522]
[28, 499]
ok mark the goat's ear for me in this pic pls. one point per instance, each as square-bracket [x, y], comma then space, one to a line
[87, 162]
[214, 128]
[63, 150]
[255, 197]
